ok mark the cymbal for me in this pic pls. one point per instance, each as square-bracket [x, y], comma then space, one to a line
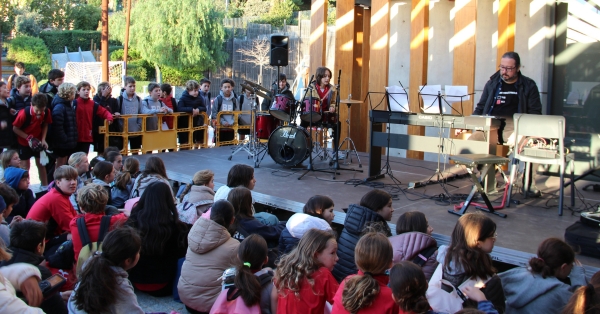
[350, 101]
[259, 93]
[254, 85]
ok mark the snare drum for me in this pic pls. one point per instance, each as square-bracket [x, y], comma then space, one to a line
[281, 107]
[330, 118]
[265, 125]
[311, 112]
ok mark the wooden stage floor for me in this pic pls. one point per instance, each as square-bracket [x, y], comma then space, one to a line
[526, 226]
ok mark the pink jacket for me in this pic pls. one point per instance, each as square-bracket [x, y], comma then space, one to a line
[407, 245]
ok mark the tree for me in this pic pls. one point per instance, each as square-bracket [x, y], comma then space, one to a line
[85, 17]
[257, 53]
[7, 16]
[281, 11]
[55, 13]
[179, 33]
[28, 23]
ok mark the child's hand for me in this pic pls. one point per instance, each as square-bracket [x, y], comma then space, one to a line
[117, 114]
[13, 111]
[16, 219]
[474, 293]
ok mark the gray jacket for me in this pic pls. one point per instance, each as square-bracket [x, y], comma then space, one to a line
[150, 106]
[132, 106]
[527, 292]
[126, 301]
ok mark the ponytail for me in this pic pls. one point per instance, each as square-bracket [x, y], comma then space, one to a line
[187, 189]
[552, 254]
[359, 292]
[252, 253]
[122, 180]
[585, 300]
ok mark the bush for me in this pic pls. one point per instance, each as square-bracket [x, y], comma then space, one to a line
[33, 52]
[177, 77]
[28, 24]
[132, 55]
[57, 40]
[85, 17]
[140, 70]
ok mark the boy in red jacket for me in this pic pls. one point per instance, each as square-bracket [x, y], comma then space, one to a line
[85, 109]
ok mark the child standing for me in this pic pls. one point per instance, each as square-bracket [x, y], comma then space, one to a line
[303, 279]
[368, 292]
[318, 213]
[153, 105]
[7, 137]
[31, 128]
[166, 96]
[191, 102]
[251, 286]
[86, 111]
[205, 95]
[20, 94]
[130, 103]
[225, 101]
[104, 98]
[120, 252]
[64, 124]
[55, 78]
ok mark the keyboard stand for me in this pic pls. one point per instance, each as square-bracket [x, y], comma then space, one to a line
[471, 161]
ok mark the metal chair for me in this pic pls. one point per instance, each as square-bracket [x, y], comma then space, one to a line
[541, 126]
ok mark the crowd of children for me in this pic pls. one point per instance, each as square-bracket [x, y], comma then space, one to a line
[111, 229]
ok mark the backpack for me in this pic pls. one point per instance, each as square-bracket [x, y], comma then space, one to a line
[27, 121]
[121, 102]
[220, 102]
[87, 246]
[228, 302]
[188, 212]
[424, 255]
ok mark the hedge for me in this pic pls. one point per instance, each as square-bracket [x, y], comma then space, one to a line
[73, 39]
[178, 77]
[33, 52]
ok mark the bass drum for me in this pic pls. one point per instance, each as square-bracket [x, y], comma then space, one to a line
[289, 145]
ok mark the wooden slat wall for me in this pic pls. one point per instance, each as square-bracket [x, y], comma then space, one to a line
[506, 27]
[344, 51]
[465, 22]
[318, 34]
[419, 42]
[360, 81]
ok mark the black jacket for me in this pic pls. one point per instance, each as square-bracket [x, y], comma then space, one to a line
[16, 101]
[187, 103]
[50, 91]
[64, 124]
[529, 95]
[7, 136]
[266, 105]
[112, 105]
[287, 242]
[357, 218]
[26, 200]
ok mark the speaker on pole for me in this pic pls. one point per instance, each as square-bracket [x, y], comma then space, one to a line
[279, 50]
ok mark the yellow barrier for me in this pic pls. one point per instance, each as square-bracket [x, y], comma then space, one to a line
[158, 139]
[235, 127]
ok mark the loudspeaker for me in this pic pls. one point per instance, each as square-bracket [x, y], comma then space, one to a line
[279, 50]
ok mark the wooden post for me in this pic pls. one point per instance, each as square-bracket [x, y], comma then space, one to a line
[318, 35]
[360, 82]
[126, 42]
[344, 48]
[419, 50]
[506, 27]
[464, 42]
[104, 44]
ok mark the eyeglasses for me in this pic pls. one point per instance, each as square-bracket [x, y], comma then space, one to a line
[507, 69]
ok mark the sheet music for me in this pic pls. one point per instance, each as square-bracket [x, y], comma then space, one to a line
[430, 100]
[456, 93]
[398, 98]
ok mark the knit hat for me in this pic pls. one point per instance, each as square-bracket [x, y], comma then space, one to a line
[13, 175]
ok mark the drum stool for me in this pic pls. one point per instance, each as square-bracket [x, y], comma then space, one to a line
[471, 161]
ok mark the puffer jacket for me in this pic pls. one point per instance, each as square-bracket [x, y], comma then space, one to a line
[296, 227]
[17, 101]
[211, 250]
[357, 218]
[64, 124]
[408, 245]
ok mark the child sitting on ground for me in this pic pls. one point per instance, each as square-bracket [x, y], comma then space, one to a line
[303, 278]
[124, 182]
[197, 197]
[18, 179]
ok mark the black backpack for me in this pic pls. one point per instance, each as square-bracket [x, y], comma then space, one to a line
[424, 255]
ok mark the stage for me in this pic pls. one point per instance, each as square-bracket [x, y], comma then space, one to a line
[527, 224]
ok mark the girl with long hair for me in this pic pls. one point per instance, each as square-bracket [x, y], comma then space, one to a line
[211, 251]
[239, 175]
[198, 196]
[586, 299]
[317, 213]
[367, 292]
[252, 284]
[9, 158]
[124, 182]
[375, 210]
[413, 240]
[154, 171]
[547, 284]
[303, 278]
[107, 271]
[164, 240]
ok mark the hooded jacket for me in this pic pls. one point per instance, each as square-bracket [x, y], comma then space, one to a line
[143, 181]
[18, 102]
[187, 103]
[151, 106]
[218, 106]
[408, 245]
[211, 250]
[529, 95]
[12, 176]
[357, 218]
[126, 298]
[131, 106]
[296, 227]
[64, 124]
[13, 276]
[528, 292]
[50, 90]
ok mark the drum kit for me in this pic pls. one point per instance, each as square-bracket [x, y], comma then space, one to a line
[288, 144]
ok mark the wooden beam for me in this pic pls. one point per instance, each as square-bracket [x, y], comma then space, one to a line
[344, 52]
[464, 44]
[318, 34]
[379, 52]
[104, 40]
[419, 42]
[506, 27]
[360, 86]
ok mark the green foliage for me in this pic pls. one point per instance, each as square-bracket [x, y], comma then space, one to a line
[179, 33]
[33, 52]
[85, 17]
[7, 12]
[331, 15]
[57, 40]
[55, 13]
[235, 9]
[132, 55]
[281, 12]
[139, 70]
[178, 77]
[254, 8]
[28, 23]
[116, 26]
